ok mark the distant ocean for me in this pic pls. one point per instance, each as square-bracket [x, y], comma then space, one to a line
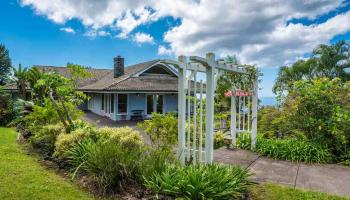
[268, 101]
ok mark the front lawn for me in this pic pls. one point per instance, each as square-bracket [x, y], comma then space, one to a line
[277, 192]
[22, 177]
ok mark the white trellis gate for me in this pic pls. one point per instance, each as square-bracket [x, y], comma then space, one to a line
[192, 127]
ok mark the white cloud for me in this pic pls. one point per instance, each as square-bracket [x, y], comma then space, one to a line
[256, 31]
[68, 30]
[162, 50]
[94, 33]
[143, 38]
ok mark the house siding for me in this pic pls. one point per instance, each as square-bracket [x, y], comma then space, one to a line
[135, 102]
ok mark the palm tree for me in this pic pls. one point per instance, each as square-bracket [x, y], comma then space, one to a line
[5, 65]
[333, 60]
[328, 61]
[20, 76]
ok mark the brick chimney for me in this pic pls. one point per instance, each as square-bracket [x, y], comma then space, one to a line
[118, 66]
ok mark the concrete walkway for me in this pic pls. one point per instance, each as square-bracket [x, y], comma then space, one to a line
[329, 178]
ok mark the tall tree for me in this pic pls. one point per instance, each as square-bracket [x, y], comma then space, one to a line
[59, 91]
[20, 76]
[5, 65]
[328, 61]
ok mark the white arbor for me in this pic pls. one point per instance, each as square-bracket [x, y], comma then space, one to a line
[190, 129]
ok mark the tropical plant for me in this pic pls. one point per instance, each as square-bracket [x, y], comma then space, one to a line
[244, 140]
[106, 162]
[20, 76]
[212, 181]
[329, 61]
[294, 150]
[5, 65]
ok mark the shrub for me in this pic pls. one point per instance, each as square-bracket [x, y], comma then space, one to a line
[321, 110]
[244, 141]
[106, 162]
[126, 135]
[345, 158]
[219, 138]
[7, 112]
[162, 130]
[66, 141]
[44, 139]
[293, 150]
[200, 181]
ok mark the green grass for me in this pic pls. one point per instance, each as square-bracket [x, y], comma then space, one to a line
[22, 177]
[276, 192]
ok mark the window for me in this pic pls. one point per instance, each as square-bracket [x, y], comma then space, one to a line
[159, 103]
[112, 103]
[149, 104]
[122, 103]
[102, 101]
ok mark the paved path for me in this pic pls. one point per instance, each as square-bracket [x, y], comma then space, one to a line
[330, 178]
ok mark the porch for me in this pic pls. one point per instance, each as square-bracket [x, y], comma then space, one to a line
[123, 106]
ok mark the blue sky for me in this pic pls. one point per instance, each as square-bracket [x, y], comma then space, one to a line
[35, 32]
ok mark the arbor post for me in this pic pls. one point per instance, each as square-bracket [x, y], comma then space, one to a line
[182, 108]
[209, 125]
[254, 113]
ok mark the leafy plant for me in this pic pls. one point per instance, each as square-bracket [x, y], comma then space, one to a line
[162, 130]
[107, 163]
[321, 110]
[219, 138]
[200, 181]
[244, 141]
[66, 141]
[293, 150]
[44, 139]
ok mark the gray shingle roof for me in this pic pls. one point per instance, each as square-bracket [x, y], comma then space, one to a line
[108, 80]
[103, 79]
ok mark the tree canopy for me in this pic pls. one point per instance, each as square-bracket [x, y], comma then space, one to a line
[5, 65]
[327, 61]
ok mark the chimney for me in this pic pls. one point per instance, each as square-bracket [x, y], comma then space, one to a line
[118, 66]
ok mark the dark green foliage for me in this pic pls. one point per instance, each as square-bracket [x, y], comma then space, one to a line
[7, 110]
[199, 181]
[20, 76]
[293, 150]
[5, 65]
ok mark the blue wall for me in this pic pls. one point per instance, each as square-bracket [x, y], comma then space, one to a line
[135, 102]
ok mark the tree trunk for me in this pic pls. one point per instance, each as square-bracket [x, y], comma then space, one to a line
[58, 109]
[66, 111]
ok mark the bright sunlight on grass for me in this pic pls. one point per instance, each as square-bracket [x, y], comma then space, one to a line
[22, 177]
[277, 192]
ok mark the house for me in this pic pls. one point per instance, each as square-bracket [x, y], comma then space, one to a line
[124, 93]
